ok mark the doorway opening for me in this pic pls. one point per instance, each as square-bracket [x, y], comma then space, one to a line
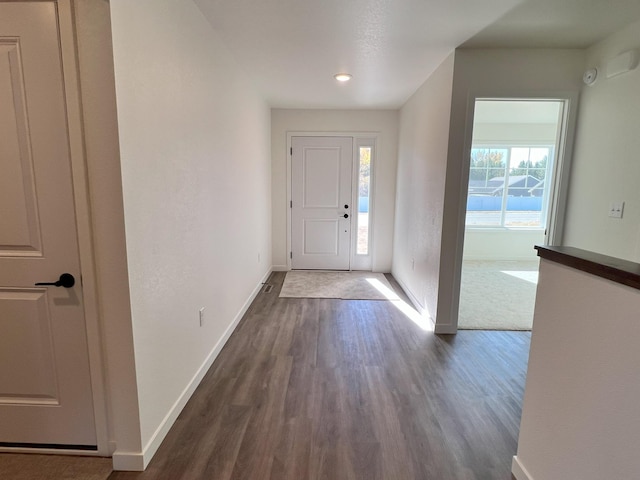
[511, 203]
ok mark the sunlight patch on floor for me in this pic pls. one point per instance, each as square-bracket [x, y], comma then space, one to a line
[526, 275]
[421, 320]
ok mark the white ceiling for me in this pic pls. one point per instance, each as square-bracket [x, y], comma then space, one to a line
[292, 48]
[558, 23]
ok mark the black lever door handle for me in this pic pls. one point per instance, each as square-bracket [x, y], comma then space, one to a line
[66, 280]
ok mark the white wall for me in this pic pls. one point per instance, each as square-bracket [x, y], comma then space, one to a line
[422, 160]
[580, 410]
[501, 243]
[195, 155]
[384, 122]
[488, 72]
[606, 160]
[95, 57]
[514, 133]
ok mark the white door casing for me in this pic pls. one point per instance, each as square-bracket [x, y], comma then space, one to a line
[555, 221]
[321, 182]
[45, 383]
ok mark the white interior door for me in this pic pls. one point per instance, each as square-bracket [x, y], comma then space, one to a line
[45, 384]
[321, 170]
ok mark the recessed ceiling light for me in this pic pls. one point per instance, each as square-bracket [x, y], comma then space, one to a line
[342, 77]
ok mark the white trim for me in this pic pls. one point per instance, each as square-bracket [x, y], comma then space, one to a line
[559, 195]
[356, 136]
[519, 471]
[289, 153]
[280, 268]
[138, 461]
[355, 165]
[558, 200]
[66, 24]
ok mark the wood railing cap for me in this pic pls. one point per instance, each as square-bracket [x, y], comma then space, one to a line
[611, 268]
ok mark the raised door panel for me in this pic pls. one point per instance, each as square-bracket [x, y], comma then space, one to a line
[27, 368]
[321, 177]
[19, 227]
[321, 237]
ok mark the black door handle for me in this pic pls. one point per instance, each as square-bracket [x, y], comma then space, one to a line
[66, 280]
[346, 215]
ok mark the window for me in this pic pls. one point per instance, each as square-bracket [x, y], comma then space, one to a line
[507, 186]
[364, 183]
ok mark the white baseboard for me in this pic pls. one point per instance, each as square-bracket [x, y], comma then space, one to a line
[444, 329]
[138, 461]
[518, 470]
[414, 301]
[416, 304]
[279, 268]
[128, 461]
[439, 329]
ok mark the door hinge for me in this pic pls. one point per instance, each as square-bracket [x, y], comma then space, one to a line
[291, 151]
[290, 203]
[290, 254]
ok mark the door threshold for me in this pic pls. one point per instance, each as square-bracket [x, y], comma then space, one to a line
[47, 446]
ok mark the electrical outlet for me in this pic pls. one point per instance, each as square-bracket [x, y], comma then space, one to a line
[201, 316]
[258, 257]
[413, 264]
[616, 209]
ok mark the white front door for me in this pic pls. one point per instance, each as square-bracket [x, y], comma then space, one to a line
[321, 170]
[45, 385]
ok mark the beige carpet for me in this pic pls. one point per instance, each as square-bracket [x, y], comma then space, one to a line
[53, 467]
[497, 295]
[344, 285]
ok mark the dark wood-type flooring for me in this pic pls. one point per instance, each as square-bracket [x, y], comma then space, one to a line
[348, 389]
